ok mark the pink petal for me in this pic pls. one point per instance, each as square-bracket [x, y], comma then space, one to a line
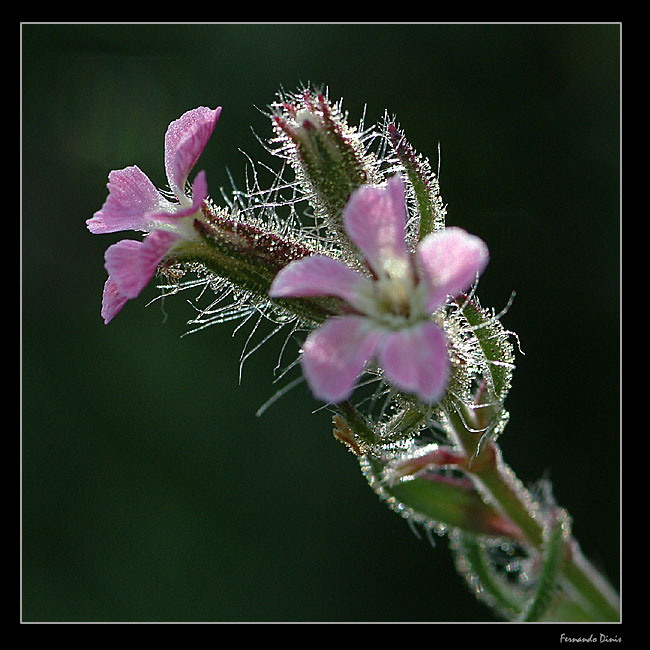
[176, 212]
[335, 355]
[131, 264]
[317, 276]
[185, 140]
[375, 220]
[415, 360]
[131, 195]
[199, 190]
[112, 301]
[450, 261]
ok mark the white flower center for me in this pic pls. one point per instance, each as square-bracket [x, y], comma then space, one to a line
[396, 301]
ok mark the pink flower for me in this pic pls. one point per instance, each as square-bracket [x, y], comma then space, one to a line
[134, 203]
[390, 317]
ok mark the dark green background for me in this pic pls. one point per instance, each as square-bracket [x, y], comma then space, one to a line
[150, 491]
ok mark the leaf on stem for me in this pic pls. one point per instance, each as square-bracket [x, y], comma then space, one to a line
[439, 501]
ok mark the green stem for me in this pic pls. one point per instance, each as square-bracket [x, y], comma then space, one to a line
[512, 498]
[495, 480]
[596, 592]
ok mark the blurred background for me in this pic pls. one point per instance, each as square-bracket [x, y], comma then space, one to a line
[150, 489]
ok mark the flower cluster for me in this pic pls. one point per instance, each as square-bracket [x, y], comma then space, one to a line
[389, 312]
[376, 280]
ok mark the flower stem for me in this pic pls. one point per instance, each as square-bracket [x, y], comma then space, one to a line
[592, 586]
[496, 481]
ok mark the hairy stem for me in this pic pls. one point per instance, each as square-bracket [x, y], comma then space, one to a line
[497, 482]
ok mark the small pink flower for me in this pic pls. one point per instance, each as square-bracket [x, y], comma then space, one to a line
[134, 203]
[391, 313]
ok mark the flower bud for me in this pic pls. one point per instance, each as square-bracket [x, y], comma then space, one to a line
[424, 182]
[328, 157]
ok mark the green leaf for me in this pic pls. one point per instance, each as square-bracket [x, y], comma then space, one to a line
[548, 586]
[441, 500]
[479, 574]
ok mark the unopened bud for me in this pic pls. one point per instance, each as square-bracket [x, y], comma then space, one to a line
[327, 155]
[423, 180]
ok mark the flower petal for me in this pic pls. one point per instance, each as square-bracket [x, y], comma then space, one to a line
[131, 195]
[199, 190]
[335, 355]
[317, 275]
[131, 264]
[112, 301]
[450, 261]
[176, 211]
[416, 360]
[375, 220]
[185, 140]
